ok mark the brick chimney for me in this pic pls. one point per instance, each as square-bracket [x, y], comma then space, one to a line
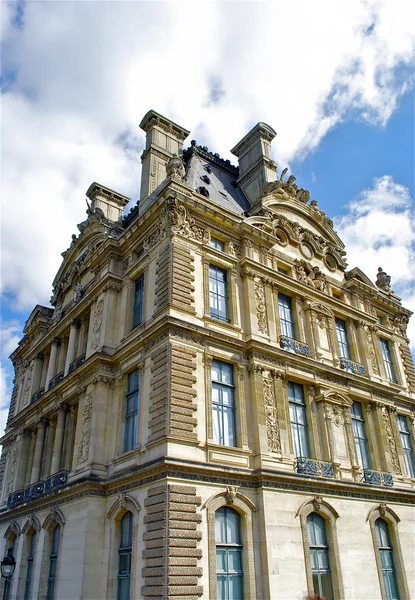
[164, 139]
[255, 164]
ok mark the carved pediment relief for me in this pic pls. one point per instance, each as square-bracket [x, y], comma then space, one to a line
[320, 309]
[334, 397]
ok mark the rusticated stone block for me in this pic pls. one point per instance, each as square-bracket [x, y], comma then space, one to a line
[171, 543]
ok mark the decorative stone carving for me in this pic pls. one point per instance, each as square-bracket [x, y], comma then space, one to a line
[335, 413]
[98, 318]
[261, 309]
[371, 350]
[310, 275]
[231, 492]
[391, 442]
[399, 323]
[235, 250]
[175, 168]
[78, 290]
[317, 503]
[83, 449]
[383, 280]
[382, 509]
[287, 189]
[273, 428]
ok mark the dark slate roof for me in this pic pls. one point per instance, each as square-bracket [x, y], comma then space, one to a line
[215, 178]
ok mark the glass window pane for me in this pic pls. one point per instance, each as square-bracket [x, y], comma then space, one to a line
[232, 526]
[221, 587]
[234, 561]
[220, 561]
[220, 526]
[228, 427]
[235, 587]
[326, 586]
[217, 424]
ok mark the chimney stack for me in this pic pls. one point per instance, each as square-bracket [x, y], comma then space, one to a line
[255, 164]
[164, 139]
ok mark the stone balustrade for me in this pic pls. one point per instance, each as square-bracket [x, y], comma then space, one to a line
[38, 489]
[55, 380]
[37, 395]
[76, 363]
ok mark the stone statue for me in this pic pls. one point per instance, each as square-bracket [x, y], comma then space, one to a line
[77, 292]
[175, 168]
[383, 280]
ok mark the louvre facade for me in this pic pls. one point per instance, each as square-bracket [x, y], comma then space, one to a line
[215, 407]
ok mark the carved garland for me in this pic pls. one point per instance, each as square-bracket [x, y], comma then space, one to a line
[273, 427]
[261, 308]
[83, 450]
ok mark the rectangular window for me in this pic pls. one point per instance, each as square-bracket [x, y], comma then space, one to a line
[286, 316]
[138, 301]
[131, 411]
[343, 339]
[223, 404]
[217, 244]
[298, 417]
[359, 432]
[29, 569]
[218, 293]
[406, 445]
[387, 359]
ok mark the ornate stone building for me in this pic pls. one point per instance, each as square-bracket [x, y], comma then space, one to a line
[215, 407]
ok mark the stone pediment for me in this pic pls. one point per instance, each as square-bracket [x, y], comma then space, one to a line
[358, 274]
[39, 317]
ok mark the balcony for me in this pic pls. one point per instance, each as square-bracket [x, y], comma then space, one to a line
[57, 379]
[38, 489]
[37, 395]
[309, 466]
[352, 367]
[287, 343]
[56, 480]
[34, 490]
[76, 363]
[15, 499]
[377, 477]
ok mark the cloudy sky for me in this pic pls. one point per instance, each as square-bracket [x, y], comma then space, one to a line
[334, 79]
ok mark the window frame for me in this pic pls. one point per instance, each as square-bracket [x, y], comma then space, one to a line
[229, 547]
[139, 282]
[226, 318]
[343, 341]
[407, 448]
[298, 405]
[317, 550]
[386, 551]
[53, 562]
[125, 551]
[30, 560]
[231, 388]
[133, 414]
[216, 243]
[388, 362]
[287, 326]
[360, 441]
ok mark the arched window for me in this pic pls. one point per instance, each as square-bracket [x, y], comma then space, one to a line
[319, 554]
[124, 557]
[386, 557]
[229, 570]
[53, 563]
[29, 567]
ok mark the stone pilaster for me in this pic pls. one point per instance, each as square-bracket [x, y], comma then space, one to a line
[70, 355]
[58, 442]
[37, 457]
[171, 543]
[52, 361]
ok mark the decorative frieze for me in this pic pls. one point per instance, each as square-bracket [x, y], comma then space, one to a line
[171, 541]
[408, 365]
[97, 324]
[371, 349]
[391, 442]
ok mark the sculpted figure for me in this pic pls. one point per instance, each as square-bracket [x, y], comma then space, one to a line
[383, 280]
[175, 168]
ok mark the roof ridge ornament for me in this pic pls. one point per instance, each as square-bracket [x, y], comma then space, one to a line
[383, 280]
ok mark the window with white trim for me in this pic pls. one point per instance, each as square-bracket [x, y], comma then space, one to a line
[408, 451]
[223, 404]
[229, 561]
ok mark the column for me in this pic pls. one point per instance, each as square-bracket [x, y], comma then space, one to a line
[58, 443]
[37, 458]
[351, 445]
[36, 374]
[70, 357]
[52, 361]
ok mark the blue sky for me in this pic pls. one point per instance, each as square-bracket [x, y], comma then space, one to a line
[334, 79]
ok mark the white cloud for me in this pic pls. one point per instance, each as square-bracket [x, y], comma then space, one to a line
[378, 231]
[79, 76]
[10, 334]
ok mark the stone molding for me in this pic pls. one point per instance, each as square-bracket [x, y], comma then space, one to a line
[55, 517]
[31, 523]
[122, 504]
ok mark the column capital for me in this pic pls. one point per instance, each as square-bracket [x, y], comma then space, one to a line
[41, 421]
[75, 322]
[56, 340]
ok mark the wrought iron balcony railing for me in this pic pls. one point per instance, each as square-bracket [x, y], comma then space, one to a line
[377, 477]
[34, 490]
[309, 466]
[37, 395]
[351, 366]
[38, 489]
[57, 379]
[76, 363]
[56, 480]
[295, 346]
[15, 498]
